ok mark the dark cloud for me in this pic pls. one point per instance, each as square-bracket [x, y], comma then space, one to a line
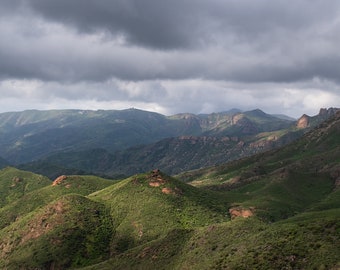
[181, 23]
[250, 41]
[158, 24]
[182, 55]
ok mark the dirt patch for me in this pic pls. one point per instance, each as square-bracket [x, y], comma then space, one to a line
[155, 184]
[167, 191]
[59, 180]
[175, 191]
[241, 212]
[46, 222]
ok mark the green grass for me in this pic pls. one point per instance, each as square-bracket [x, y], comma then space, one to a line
[143, 213]
[30, 201]
[15, 183]
[307, 241]
[71, 231]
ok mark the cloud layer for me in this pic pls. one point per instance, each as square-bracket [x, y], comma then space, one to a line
[170, 56]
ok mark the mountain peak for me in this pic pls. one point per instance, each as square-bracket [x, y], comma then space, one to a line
[328, 112]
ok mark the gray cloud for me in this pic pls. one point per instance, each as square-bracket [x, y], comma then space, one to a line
[179, 23]
[180, 55]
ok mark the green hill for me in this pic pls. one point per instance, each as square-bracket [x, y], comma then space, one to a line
[31, 200]
[68, 232]
[148, 206]
[15, 183]
[307, 241]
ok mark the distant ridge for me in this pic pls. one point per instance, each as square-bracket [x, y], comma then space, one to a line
[30, 135]
[213, 139]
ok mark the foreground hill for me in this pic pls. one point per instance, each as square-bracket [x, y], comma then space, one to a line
[275, 210]
[46, 192]
[68, 230]
[307, 241]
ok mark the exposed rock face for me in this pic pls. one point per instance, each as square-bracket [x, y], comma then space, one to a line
[328, 112]
[59, 180]
[241, 212]
[156, 179]
[167, 190]
[244, 123]
[303, 121]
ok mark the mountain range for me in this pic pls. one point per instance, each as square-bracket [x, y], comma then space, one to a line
[118, 144]
[278, 209]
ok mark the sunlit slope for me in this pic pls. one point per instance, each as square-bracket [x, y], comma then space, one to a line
[15, 183]
[307, 241]
[70, 231]
[148, 206]
[50, 191]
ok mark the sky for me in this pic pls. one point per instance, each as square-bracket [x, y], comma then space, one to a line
[170, 56]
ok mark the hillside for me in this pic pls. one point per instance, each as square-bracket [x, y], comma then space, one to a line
[67, 232]
[15, 184]
[28, 135]
[42, 191]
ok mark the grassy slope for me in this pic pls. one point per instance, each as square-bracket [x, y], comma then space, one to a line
[15, 183]
[54, 225]
[68, 232]
[143, 213]
[74, 230]
[307, 241]
[30, 201]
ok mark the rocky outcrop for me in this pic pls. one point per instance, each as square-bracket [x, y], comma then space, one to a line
[246, 126]
[328, 112]
[59, 180]
[303, 121]
[241, 212]
[157, 180]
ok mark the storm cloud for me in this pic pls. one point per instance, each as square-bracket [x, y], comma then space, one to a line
[170, 56]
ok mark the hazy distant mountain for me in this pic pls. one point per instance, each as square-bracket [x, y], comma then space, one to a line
[30, 135]
[177, 154]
